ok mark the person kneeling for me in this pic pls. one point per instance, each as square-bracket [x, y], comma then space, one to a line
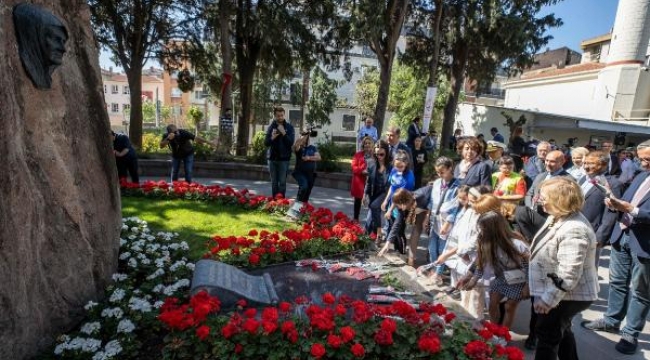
[304, 172]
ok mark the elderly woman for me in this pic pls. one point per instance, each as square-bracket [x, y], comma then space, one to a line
[562, 278]
[578, 157]
[507, 184]
[472, 170]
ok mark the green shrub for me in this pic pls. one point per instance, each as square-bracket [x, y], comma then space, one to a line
[151, 144]
[258, 148]
[329, 159]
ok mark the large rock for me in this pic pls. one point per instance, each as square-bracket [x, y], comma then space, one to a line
[59, 199]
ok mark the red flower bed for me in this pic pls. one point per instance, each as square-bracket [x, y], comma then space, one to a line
[339, 329]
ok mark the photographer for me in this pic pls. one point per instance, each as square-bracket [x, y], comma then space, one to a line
[305, 171]
[125, 157]
[180, 143]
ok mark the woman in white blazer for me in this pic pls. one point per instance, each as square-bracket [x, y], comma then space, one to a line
[562, 276]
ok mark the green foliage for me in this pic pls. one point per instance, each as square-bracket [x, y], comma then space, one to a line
[366, 90]
[258, 148]
[323, 98]
[151, 144]
[194, 117]
[407, 95]
[511, 123]
[329, 160]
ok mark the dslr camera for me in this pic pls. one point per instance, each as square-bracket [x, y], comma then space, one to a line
[310, 131]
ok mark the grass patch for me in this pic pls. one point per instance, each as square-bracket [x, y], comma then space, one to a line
[196, 222]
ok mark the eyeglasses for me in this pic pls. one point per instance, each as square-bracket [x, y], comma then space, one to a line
[380, 154]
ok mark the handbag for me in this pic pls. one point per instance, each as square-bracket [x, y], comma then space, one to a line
[514, 277]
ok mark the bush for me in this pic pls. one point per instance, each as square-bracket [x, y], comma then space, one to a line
[151, 144]
[258, 148]
[328, 162]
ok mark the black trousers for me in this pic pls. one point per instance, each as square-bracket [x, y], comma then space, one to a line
[357, 208]
[129, 166]
[555, 339]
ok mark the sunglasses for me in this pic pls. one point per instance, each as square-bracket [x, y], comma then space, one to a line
[380, 154]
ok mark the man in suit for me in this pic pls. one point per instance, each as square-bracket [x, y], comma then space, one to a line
[629, 261]
[600, 217]
[530, 218]
[496, 136]
[392, 137]
[535, 164]
[414, 130]
[614, 167]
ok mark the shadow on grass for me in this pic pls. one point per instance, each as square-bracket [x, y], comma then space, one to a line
[196, 222]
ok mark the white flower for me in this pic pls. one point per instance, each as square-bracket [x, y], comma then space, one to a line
[122, 242]
[125, 227]
[125, 255]
[113, 312]
[158, 304]
[139, 304]
[113, 348]
[135, 230]
[190, 266]
[158, 272]
[125, 326]
[90, 305]
[132, 237]
[119, 277]
[85, 345]
[133, 263]
[176, 265]
[117, 295]
[90, 328]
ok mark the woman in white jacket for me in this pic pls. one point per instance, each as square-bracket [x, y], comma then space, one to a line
[562, 275]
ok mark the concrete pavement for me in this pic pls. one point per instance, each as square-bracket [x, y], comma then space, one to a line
[591, 345]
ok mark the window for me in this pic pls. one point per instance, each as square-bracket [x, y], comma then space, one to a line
[200, 94]
[348, 122]
[294, 117]
[115, 107]
[125, 90]
[126, 107]
[176, 92]
[115, 89]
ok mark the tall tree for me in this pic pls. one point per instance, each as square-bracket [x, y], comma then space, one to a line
[485, 35]
[378, 23]
[136, 31]
[323, 98]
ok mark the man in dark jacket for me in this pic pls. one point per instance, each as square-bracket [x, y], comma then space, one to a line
[179, 142]
[125, 157]
[280, 136]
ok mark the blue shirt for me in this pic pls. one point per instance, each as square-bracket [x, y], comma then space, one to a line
[398, 180]
[369, 131]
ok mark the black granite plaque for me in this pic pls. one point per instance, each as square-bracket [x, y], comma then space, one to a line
[231, 284]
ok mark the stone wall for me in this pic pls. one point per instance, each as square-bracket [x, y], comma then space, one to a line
[60, 205]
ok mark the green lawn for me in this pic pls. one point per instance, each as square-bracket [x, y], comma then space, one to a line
[196, 222]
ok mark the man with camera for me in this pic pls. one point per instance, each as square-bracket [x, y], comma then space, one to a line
[125, 157]
[280, 136]
[179, 142]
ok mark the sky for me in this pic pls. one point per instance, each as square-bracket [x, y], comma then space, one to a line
[583, 19]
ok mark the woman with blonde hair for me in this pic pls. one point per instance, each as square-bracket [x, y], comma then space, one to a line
[577, 157]
[563, 276]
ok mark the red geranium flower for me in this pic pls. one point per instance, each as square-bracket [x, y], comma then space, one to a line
[389, 325]
[318, 350]
[328, 298]
[251, 325]
[285, 306]
[254, 259]
[202, 332]
[429, 343]
[347, 334]
[384, 337]
[239, 348]
[358, 350]
[334, 341]
[477, 349]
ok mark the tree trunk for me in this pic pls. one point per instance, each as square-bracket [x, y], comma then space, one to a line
[246, 77]
[385, 74]
[134, 76]
[306, 79]
[435, 30]
[457, 79]
[60, 211]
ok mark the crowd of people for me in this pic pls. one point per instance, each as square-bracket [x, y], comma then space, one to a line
[507, 226]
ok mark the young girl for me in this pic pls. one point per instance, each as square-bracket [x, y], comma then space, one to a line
[406, 205]
[419, 159]
[503, 258]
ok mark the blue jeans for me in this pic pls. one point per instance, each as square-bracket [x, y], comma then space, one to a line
[188, 164]
[620, 276]
[374, 214]
[305, 182]
[278, 170]
[639, 306]
[436, 247]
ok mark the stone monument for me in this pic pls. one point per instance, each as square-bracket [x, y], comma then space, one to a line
[59, 199]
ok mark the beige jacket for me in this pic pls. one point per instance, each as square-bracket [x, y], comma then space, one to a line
[568, 250]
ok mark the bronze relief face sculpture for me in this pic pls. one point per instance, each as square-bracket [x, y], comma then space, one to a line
[41, 42]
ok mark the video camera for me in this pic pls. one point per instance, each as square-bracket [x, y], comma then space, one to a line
[310, 131]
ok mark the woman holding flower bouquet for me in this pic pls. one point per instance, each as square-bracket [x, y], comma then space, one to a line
[508, 184]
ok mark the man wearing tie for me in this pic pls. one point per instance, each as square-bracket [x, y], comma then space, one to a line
[394, 144]
[629, 261]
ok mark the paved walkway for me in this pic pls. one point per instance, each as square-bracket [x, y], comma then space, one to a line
[591, 345]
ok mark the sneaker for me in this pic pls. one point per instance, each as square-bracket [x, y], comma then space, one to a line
[531, 342]
[599, 325]
[627, 345]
